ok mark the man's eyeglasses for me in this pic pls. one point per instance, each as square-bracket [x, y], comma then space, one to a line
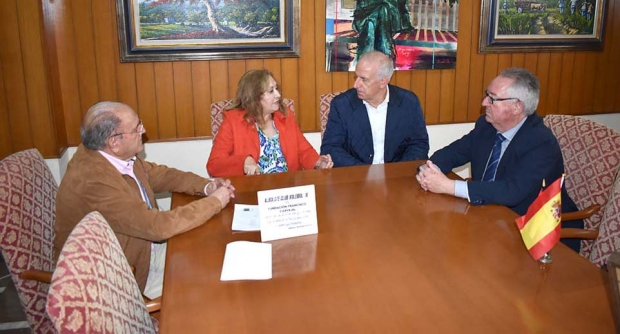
[139, 129]
[496, 99]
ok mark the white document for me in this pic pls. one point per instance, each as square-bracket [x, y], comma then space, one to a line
[287, 212]
[245, 260]
[246, 218]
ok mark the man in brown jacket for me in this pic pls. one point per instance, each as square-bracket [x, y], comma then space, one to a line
[106, 175]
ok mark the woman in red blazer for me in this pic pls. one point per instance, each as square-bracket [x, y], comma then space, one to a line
[259, 135]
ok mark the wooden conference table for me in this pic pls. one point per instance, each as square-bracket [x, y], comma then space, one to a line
[388, 258]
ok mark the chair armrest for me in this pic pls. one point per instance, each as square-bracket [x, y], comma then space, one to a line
[581, 214]
[578, 233]
[37, 275]
[152, 305]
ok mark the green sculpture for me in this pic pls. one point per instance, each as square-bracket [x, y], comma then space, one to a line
[376, 22]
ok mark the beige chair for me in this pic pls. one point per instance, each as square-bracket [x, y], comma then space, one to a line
[218, 108]
[325, 101]
[591, 154]
[27, 215]
[93, 289]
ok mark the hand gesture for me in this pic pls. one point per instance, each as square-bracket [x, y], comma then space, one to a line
[324, 162]
[224, 194]
[250, 167]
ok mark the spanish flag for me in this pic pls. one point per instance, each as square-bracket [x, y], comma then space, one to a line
[540, 226]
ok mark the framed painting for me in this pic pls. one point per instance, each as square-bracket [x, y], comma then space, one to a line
[174, 30]
[541, 25]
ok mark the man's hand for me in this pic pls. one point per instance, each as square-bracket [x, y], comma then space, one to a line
[224, 194]
[432, 179]
[324, 162]
[218, 183]
[250, 167]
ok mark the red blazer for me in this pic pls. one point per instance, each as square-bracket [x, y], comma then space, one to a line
[237, 139]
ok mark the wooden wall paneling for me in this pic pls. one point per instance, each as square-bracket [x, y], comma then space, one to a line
[39, 109]
[402, 79]
[605, 57]
[312, 17]
[476, 68]
[418, 86]
[126, 84]
[591, 64]
[565, 92]
[289, 83]
[85, 54]
[463, 58]
[553, 84]
[219, 81]
[518, 60]
[542, 72]
[164, 90]
[490, 69]
[147, 99]
[340, 82]
[578, 88]
[275, 66]
[446, 104]
[324, 80]
[433, 96]
[613, 72]
[236, 69]
[5, 130]
[53, 76]
[257, 64]
[13, 75]
[530, 62]
[68, 81]
[504, 61]
[105, 34]
[183, 99]
[201, 90]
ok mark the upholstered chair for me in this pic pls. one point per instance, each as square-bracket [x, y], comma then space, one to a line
[218, 108]
[27, 215]
[325, 101]
[591, 154]
[608, 240]
[93, 289]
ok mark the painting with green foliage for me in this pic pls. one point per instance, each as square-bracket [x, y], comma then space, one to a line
[541, 25]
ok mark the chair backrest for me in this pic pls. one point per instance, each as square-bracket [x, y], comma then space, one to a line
[608, 240]
[591, 154]
[325, 101]
[27, 216]
[93, 289]
[218, 108]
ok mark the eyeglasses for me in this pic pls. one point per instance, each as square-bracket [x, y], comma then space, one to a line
[139, 129]
[495, 99]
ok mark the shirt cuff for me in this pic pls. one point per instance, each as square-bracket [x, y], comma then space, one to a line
[461, 190]
[207, 187]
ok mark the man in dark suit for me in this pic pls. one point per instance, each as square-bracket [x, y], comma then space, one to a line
[526, 151]
[374, 122]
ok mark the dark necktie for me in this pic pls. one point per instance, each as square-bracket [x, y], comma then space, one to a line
[491, 169]
[146, 195]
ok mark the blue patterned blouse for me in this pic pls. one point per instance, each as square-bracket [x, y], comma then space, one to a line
[271, 159]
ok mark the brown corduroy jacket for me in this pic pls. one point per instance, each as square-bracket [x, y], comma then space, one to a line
[91, 183]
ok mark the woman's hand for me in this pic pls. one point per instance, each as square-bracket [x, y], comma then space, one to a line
[324, 162]
[250, 167]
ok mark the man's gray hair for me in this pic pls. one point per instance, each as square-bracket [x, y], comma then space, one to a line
[525, 87]
[100, 122]
[385, 64]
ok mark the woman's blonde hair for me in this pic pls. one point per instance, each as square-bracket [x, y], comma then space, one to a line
[252, 86]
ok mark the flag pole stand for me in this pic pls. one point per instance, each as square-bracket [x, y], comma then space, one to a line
[546, 258]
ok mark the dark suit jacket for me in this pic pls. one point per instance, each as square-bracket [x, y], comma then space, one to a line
[348, 136]
[532, 155]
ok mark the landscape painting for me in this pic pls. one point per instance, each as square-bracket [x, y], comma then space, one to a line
[152, 30]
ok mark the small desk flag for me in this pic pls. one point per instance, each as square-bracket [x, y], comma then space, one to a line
[540, 226]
